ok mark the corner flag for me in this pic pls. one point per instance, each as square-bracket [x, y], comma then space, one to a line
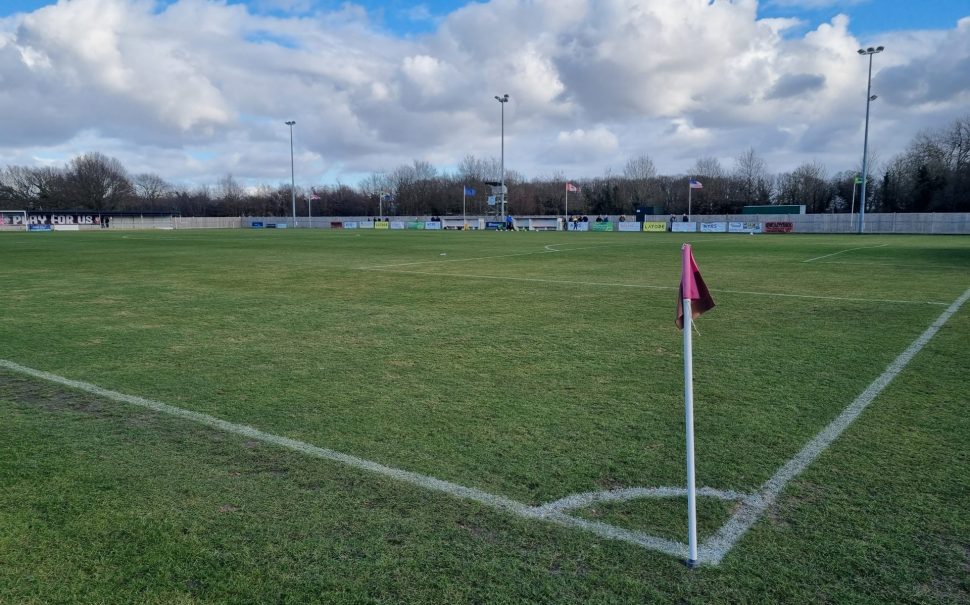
[692, 290]
[692, 287]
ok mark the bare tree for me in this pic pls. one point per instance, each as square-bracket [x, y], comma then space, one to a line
[229, 189]
[714, 198]
[151, 187]
[752, 182]
[806, 185]
[98, 182]
[32, 187]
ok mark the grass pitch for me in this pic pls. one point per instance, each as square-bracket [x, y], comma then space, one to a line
[527, 365]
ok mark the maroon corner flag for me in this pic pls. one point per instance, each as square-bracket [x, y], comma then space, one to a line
[692, 286]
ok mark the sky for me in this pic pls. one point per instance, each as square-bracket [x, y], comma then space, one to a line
[195, 90]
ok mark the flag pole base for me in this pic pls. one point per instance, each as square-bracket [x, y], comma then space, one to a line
[691, 563]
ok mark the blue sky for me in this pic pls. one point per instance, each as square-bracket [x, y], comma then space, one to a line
[406, 17]
[194, 90]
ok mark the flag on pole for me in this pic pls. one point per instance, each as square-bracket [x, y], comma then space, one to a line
[692, 286]
[571, 188]
[695, 184]
[692, 299]
[314, 196]
[858, 180]
[469, 191]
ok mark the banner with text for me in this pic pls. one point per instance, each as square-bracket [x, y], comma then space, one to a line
[744, 227]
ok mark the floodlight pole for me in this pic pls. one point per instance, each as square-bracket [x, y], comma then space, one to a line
[503, 100]
[865, 141]
[290, 123]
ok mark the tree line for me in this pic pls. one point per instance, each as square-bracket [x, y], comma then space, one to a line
[931, 175]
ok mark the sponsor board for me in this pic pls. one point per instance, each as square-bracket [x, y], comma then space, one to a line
[655, 226]
[39, 228]
[382, 225]
[714, 227]
[579, 226]
[779, 227]
[365, 225]
[683, 227]
[350, 224]
[494, 225]
[628, 226]
[257, 225]
[67, 227]
[398, 225]
[415, 225]
[433, 225]
[744, 227]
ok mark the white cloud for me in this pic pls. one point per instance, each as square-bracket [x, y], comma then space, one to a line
[591, 84]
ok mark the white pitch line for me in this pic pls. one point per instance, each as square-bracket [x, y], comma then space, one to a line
[583, 500]
[464, 260]
[843, 298]
[751, 510]
[844, 251]
[752, 506]
[461, 492]
[425, 481]
[649, 287]
[894, 265]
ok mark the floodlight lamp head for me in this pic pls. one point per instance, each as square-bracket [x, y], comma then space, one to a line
[861, 51]
[290, 122]
[502, 99]
[870, 50]
[879, 49]
[873, 97]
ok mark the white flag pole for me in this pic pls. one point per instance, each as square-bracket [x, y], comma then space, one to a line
[690, 191]
[689, 422]
[464, 221]
[567, 206]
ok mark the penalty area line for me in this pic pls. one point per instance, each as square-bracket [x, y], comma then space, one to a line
[843, 252]
[546, 250]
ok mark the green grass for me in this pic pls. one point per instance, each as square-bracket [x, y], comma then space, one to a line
[491, 363]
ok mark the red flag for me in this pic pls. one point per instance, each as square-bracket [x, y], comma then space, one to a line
[692, 286]
[571, 188]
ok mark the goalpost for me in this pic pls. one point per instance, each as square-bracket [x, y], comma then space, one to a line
[13, 220]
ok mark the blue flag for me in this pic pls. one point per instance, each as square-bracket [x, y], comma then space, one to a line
[469, 191]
